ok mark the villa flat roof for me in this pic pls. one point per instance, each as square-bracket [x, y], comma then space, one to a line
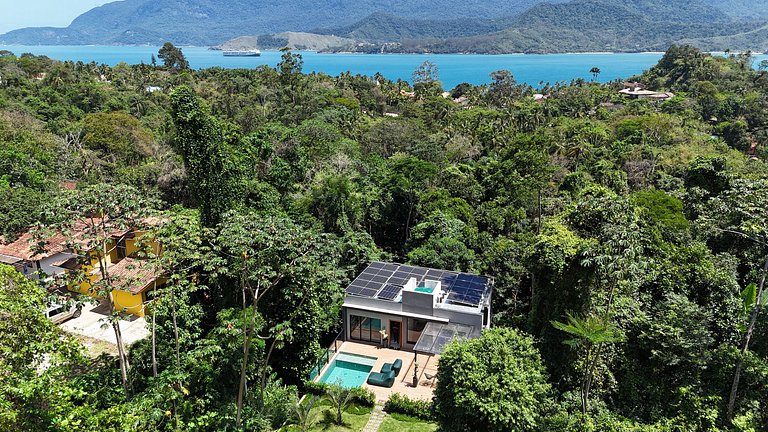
[383, 281]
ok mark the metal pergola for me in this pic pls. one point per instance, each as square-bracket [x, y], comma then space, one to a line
[436, 336]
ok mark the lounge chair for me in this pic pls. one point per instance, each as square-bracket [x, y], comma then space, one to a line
[396, 366]
[381, 379]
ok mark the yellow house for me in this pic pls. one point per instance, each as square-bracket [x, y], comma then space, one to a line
[132, 277]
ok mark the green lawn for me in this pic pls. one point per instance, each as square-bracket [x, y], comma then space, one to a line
[355, 418]
[401, 423]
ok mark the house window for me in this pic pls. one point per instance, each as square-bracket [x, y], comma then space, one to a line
[364, 329]
[121, 249]
[415, 327]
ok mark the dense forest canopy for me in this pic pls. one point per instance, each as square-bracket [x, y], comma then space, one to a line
[627, 238]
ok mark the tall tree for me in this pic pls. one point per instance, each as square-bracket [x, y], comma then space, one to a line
[96, 219]
[289, 290]
[172, 57]
[740, 212]
[595, 71]
[33, 351]
[200, 138]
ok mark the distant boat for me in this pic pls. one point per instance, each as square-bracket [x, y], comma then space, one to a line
[249, 53]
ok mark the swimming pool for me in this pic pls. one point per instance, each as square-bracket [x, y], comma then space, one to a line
[348, 370]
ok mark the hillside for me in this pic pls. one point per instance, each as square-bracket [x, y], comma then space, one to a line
[754, 40]
[210, 22]
[267, 212]
[293, 40]
[590, 25]
[742, 9]
[381, 27]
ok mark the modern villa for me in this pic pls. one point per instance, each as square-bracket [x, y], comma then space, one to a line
[416, 308]
[397, 320]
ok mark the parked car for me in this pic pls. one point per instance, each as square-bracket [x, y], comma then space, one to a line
[58, 313]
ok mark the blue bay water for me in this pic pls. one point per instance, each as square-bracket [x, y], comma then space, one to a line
[453, 68]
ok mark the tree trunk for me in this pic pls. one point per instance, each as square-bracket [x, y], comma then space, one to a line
[586, 383]
[175, 330]
[264, 373]
[243, 370]
[122, 355]
[246, 343]
[154, 344]
[745, 347]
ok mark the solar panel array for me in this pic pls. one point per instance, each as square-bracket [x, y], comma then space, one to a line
[386, 280]
[390, 292]
[372, 279]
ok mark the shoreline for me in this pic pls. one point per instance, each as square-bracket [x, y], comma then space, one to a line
[215, 48]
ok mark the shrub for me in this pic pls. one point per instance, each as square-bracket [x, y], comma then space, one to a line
[400, 404]
[496, 383]
[363, 397]
[315, 388]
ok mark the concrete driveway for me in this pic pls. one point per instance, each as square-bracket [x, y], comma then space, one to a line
[90, 324]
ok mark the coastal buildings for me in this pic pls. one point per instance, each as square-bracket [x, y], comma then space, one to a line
[33, 259]
[635, 90]
[130, 277]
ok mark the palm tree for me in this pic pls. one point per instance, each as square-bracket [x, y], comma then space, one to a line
[595, 71]
[303, 416]
[589, 334]
[340, 398]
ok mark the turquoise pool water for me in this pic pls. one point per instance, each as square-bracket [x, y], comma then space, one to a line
[348, 370]
[424, 289]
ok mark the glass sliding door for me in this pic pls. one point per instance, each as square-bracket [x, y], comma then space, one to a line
[355, 325]
[364, 329]
[415, 327]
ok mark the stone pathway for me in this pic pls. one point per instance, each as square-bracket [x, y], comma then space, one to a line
[377, 416]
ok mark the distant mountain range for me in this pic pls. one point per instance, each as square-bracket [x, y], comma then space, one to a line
[575, 26]
[209, 22]
[481, 26]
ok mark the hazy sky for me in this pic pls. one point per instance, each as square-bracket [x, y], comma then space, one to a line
[38, 13]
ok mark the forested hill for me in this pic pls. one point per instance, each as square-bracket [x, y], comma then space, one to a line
[576, 26]
[383, 27]
[490, 26]
[210, 22]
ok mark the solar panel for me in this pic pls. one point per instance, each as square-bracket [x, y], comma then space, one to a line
[390, 292]
[435, 274]
[468, 299]
[467, 289]
[386, 280]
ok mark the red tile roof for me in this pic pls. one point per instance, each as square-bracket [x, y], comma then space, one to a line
[26, 248]
[131, 275]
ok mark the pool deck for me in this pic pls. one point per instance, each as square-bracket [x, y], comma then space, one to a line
[404, 381]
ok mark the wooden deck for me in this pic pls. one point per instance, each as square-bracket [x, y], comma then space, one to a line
[404, 381]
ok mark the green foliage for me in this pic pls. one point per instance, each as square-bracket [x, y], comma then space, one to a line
[23, 392]
[400, 404]
[494, 383]
[172, 57]
[360, 396]
[340, 398]
[283, 186]
[201, 141]
[662, 210]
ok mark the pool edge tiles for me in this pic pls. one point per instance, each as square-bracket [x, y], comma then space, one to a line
[356, 358]
[351, 369]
